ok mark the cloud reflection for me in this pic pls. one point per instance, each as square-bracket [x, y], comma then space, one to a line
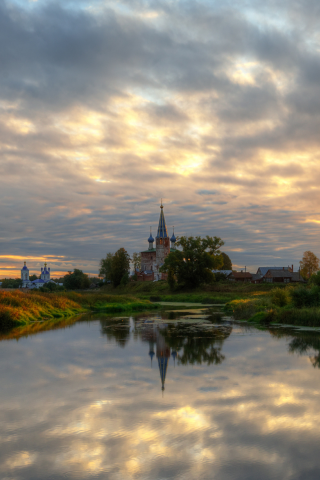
[92, 404]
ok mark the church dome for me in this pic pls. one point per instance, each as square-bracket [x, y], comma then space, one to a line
[151, 239]
[173, 238]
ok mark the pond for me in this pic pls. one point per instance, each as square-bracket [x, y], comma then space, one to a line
[172, 395]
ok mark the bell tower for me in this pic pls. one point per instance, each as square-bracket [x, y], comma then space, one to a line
[162, 240]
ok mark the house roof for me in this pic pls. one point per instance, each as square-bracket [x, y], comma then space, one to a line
[280, 273]
[151, 250]
[242, 274]
[224, 272]
[264, 270]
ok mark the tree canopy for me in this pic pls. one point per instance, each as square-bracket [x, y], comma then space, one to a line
[106, 267]
[136, 260]
[11, 282]
[227, 264]
[120, 267]
[193, 264]
[309, 264]
[76, 280]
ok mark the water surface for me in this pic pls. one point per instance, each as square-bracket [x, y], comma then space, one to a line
[161, 396]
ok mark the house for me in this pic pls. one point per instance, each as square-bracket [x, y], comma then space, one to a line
[240, 277]
[296, 277]
[282, 276]
[263, 270]
[256, 278]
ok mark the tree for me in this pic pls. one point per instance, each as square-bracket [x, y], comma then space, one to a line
[106, 266]
[32, 278]
[309, 264]
[136, 260]
[315, 279]
[227, 264]
[11, 283]
[193, 264]
[51, 287]
[171, 280]
[120, 266]
[76, 280]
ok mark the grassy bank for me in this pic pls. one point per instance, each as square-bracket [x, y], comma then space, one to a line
[299, 305]
[215, 293]
[18, 308]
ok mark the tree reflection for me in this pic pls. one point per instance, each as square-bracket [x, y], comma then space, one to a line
[189, 342]
[302, 343]
[196, 345]
[116, 329]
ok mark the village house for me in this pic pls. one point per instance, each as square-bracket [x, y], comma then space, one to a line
[240, 277]
[282, 276]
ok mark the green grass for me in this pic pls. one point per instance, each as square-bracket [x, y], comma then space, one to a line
[215, 293]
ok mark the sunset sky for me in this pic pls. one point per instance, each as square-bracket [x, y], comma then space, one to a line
[107, 106]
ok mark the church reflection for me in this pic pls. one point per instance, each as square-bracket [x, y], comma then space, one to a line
[158, 346]
[181, 344]
[170, 339]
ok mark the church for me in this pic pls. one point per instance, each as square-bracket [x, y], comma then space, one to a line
[153, 258]
[40, 282]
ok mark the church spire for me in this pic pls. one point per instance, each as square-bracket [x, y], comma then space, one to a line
[162, 228]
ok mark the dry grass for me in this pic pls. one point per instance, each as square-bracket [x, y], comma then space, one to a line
[22, 308]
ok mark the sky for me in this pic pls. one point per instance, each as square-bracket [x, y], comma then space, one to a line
[108, 106]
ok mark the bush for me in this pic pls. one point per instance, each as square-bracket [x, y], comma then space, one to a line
[306, 297]
[280, 297]
[243, 309]
[315, 279]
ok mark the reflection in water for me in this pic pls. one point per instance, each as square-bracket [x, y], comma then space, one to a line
[302, 343]
[83, 402]
[191, 343]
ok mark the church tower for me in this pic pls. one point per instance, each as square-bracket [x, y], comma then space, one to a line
[25, 275]
[162, 240]
[45, 273]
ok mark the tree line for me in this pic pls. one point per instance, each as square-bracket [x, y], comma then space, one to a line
[190, 265]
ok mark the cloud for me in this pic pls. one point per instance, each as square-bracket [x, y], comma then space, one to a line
[105, 102]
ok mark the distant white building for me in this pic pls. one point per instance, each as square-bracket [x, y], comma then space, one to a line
[40, 282]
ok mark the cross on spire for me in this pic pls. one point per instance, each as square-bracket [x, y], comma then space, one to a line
[162, 228]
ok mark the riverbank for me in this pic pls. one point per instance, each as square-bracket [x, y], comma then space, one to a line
[220, 292]
[292, 305]
[19, 308]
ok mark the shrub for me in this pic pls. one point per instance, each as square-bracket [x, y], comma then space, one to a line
[315, 279]
[243, 309]
[306, 297]
[280, 297]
